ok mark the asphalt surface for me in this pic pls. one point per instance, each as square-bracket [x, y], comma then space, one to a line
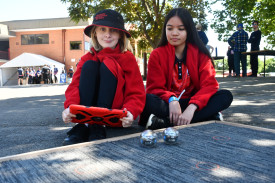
[30, 116]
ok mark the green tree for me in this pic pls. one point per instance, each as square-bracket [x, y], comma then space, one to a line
[269, 65]
[244, 11]
[147, 16]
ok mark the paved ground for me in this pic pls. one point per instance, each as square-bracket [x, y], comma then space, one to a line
[199, 156]
[254, 101]
[30, 116]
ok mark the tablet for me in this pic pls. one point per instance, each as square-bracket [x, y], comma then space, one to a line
[97, 115]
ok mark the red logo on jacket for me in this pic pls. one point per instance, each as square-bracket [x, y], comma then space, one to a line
[100, 16]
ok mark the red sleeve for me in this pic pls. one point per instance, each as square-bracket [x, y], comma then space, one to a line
[206, 82]
[158, 75]
[134, 94]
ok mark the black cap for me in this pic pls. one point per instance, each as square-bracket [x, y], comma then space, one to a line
[107, 18]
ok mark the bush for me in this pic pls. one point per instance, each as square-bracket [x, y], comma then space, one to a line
[269, 65]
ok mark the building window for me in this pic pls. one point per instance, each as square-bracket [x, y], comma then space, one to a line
[34, 39]
[75, 45]
[87, 46]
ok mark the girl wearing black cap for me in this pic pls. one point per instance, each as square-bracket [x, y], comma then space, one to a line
[108, 76]
[181, 86]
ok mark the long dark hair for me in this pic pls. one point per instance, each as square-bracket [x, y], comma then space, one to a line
[192, 34]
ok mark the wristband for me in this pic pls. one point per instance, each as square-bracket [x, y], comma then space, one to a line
[171, 99]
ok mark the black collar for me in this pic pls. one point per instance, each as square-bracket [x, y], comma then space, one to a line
[183, 59]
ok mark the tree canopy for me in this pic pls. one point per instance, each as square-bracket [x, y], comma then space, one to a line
[234, 12]
[147, 16]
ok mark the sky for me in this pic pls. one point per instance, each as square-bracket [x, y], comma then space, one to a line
[40, 9]
[32, 9]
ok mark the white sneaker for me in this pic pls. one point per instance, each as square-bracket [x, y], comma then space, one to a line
[149, 122]
[157, 123]
[219, 116]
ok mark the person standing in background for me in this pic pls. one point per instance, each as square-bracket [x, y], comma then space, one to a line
[27, 72]
[55, 71]
[20, 75]
[230, 60]
[70, 74]
[239, 42]
[46, 74]
[202, 35]
[255, 39]
[31, 76]
[51, 76]
[38, 76]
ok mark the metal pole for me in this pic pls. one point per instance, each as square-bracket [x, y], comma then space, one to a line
[144, 66]
[264, 65]
[223, 67]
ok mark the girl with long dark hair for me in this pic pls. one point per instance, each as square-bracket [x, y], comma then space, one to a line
[181, 85]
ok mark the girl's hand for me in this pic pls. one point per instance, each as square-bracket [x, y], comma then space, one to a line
[67, 116]
[174, 111]
[128, 120]
[186, 117]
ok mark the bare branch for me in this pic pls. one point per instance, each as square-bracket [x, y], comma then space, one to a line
[147, 9]
[144, 29]
[162, 7]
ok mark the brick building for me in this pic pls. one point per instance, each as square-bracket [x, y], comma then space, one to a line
[59, 39]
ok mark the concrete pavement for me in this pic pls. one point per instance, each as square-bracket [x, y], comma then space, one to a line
[30, 116]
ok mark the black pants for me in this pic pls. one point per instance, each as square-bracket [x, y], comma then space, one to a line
[46, 78]
[254, 64]
[97, 85]
[155, 105]
[38, 79]
[231, 64]
[55, 79]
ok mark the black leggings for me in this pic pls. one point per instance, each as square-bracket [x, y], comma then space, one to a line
[97, 85]
[155, 105]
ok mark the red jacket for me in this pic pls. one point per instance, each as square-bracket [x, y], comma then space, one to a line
[130, 92]
[200, 68]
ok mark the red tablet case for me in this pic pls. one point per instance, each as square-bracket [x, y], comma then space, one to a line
[97, 115]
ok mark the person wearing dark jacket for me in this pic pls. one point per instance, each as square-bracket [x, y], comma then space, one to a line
[46, 74]
[55, 72]
[20, 72]
[255, 39]
[230, 60]
[239, 42]
[202, 34]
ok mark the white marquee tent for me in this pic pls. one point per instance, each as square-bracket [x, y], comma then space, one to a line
[9, 69]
